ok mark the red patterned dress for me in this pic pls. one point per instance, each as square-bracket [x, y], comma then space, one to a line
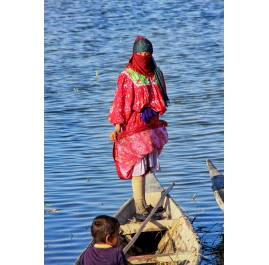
[137, 138]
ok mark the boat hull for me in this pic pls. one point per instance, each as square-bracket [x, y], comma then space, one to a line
[217, 180]
[167, 241]
[170, 240]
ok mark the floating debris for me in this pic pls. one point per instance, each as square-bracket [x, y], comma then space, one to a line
[96, 75]
[52, 211]
[75, 89]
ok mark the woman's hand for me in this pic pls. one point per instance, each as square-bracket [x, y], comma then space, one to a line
[113, 135]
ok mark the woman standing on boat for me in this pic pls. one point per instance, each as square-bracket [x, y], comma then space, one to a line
[139, 135]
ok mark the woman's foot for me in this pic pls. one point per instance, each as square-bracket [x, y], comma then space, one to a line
[150, 207]
[145, 214]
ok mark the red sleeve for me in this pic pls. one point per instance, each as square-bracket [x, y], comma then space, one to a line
[121, 108]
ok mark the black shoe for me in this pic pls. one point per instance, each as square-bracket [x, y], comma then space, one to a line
[143, 216]
[150, 207]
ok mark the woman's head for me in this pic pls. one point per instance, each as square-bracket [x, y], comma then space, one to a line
[141, 60]
[141, 44]
[105, 229]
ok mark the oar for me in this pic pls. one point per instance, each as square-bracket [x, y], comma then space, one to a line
[127, 247]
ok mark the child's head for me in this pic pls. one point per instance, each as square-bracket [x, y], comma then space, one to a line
[105, 229]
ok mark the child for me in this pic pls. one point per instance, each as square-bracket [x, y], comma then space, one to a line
[105, 233]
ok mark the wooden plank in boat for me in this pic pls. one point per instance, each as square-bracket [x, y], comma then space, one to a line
[152, 184]
[154, 189]
[167, 257]
[151, 226]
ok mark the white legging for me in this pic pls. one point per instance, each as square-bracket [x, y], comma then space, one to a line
[151, 160]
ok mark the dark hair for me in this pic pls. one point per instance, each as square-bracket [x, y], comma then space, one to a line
[102, 226]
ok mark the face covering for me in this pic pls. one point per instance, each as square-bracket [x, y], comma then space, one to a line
[142, 64]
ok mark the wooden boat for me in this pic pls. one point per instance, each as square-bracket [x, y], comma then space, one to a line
[217, 180]
[170, 240]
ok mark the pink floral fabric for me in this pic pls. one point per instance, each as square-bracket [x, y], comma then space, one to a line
[131, 148]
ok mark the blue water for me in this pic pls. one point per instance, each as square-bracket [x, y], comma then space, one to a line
[82, 38]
